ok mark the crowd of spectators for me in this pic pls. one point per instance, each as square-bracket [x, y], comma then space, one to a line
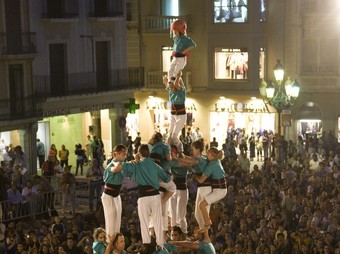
[287, 204]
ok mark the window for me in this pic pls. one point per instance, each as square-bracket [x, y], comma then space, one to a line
[230, 11]
[262, 63]
[170, 7]
[263, 10]
[317, 56]
[231, 63]
[166, 58]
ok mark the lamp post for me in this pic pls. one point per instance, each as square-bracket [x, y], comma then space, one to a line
[282, 95]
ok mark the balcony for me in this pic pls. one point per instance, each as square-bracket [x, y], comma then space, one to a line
[154, 80]
[88, 83]
[60, 9]
[17, 44]
[106, 9]
[20, 108]
[160, 24]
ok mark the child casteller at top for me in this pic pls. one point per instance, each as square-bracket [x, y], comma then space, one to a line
[182, 45]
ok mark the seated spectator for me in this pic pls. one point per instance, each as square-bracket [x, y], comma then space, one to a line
[70, 247]
[95, 173]
[58, 226]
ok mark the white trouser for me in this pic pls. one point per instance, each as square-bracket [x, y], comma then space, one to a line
[177, 123]
[150, 208]
[178, 209]
[215, 195]
[201, 193]
[177, 64]
[113, 214]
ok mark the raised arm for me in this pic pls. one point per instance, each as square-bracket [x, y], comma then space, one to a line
[186, 244]
[200, 178]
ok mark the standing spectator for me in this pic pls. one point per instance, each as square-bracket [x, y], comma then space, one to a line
[101, 151]
[53, 151]
[29, 191]
[89, 153]
[252, 143]
[214, 143]
[259, 146]
[68, 188]
[48, 168]
[265, 144]
[63, 155]
[242, 141]
[15, 199]
[187, 143]
[20, 158]
[244, 162]
[129, 146]
[95, 173]
[7, 156]
[137, 142]
[97, 149]
[80, 152]
[196, 134]
[40, 152]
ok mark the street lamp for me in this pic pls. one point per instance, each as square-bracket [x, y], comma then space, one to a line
[280, 96]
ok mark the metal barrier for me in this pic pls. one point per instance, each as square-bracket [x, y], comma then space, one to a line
[36, 206]
[43, 205]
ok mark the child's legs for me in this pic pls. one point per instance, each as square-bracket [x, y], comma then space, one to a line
[177, 64]
[177, 124]
[201, 192]
[211, 198]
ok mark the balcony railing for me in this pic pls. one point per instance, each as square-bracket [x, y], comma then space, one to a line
[154, 79]
[65, 9]
[86, 83]
[106, 9]
[160, 24]
[23, 43]
[20, 108]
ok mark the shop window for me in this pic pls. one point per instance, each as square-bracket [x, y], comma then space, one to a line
[231, 63]
[166, 58]
[263, 10]
[230, 11]
[262, 66]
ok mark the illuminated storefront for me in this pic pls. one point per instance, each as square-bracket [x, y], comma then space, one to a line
[230, 115]
[309, 120]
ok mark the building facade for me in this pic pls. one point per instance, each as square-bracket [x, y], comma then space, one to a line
[238, 44]
[64, 73]
[68, 67]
